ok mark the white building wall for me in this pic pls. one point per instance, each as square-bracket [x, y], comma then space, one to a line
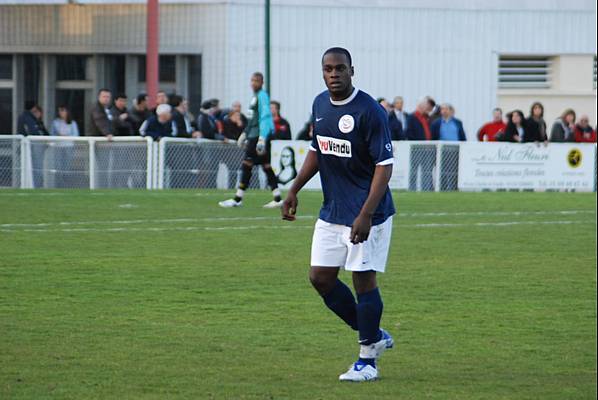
[450, 54]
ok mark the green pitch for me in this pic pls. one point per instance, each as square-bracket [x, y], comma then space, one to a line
[163, 295]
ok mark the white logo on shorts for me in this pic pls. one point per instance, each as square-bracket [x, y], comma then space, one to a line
[346, 123]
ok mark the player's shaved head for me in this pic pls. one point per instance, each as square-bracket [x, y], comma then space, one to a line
[338, 50]
[257, 81]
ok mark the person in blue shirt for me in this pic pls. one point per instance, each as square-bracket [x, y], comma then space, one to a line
[447, 127]
[256, 140]
[351, 149]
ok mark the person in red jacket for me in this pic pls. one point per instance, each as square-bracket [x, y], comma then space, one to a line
[584, 132]
[488, 131]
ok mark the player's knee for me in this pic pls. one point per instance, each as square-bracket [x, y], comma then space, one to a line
[267, 166]
[247, 164]
[364, 281]
[322, 282]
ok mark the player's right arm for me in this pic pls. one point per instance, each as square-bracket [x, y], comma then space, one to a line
[308, 170]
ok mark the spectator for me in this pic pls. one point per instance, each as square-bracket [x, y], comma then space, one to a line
[159, 125]
[397, 120]
[236, 106]
[233, 125]
[563, 129]
[417, 122]
[382, 101]
[536, 124]
[139, 113]
[161, 98]
[432, 110]
[307, 133]
[282, 129]
[447, 127]
[180, 116]
[206, 122]
[30, 124]
[30, 121]
[63, 125]
[101, 116]
[584, 132]
[122, 124]
[488, 131]
[516, 128]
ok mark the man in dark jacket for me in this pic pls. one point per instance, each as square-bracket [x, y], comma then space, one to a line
[397, 120]
[423, 156]
[30, 121]
[102, 116]
[30, 124]
[159, 125]
[139, 113]
[122, 124]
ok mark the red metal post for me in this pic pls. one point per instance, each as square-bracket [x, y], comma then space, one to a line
[151, 60]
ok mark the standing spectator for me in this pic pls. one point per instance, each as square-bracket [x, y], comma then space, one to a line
[30, 121]
[422, 156]
[307, 133]
[282, 129]
[101, 116]
[489, 130]
[161, 98]
[516, 128]
[30, 124]
[206, 121]
[180, 116]
[236, 106]
[417, 123]
[139, 113]
[122, 124]
[385, 105]
[584, 132]
[432, 109]
[536, 124]
[159, 125]
[563, 129]
[397, 120]
[447, 127]
[65, 126]
[233, 125]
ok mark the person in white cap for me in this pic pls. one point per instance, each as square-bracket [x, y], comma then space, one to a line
[159, 125]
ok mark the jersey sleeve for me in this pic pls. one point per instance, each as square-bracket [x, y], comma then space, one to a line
[378, 138]
[265, 116]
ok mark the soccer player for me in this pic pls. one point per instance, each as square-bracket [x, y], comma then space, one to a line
[352, 150]
[257, 150]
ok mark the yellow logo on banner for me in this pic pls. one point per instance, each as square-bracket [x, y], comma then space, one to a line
[574, 158]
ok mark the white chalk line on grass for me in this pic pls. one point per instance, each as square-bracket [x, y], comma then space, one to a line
[270, 218]
[293, 226]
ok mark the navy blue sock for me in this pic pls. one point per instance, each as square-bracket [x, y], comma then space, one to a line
[368, 361]
[369, 312]
[341, 301]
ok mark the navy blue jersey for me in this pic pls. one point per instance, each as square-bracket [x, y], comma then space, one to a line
[350, 137]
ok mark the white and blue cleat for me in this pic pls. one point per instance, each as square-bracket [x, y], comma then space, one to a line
[359, 372]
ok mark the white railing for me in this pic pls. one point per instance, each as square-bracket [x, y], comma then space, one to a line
[171, 163]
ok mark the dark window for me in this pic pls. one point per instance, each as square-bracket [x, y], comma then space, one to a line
[5, 66]
[194, 80]
[167, 68]
[32, 72]
[71, 67]
[74, 100]
[6, 112]
[115, 73]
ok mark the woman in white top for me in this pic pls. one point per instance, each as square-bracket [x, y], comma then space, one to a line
[63, 125]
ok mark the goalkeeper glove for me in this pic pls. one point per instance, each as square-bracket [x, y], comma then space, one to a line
[260, 147]
[241, 141]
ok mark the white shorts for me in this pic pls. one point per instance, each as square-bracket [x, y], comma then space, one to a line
[331, 247]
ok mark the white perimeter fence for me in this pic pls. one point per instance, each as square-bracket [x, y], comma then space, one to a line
[173, 163]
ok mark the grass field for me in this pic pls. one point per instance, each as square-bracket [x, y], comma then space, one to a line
[162, 295]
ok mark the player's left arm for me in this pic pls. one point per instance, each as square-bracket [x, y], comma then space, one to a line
[380, 149]
[265, 121]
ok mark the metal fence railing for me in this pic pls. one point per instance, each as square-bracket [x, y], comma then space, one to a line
[88, 162]
[173, 163]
